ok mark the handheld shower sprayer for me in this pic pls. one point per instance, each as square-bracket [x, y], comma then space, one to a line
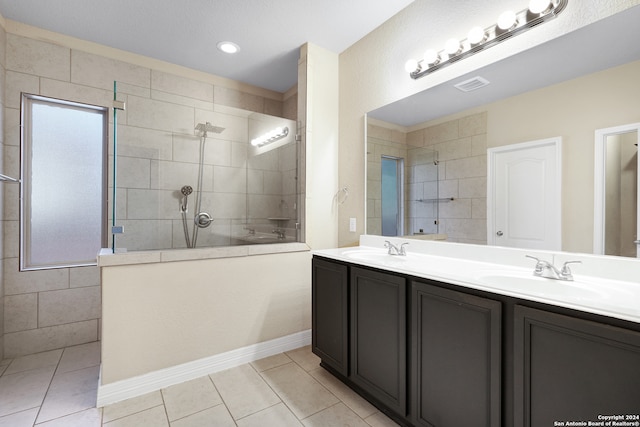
[185, 190]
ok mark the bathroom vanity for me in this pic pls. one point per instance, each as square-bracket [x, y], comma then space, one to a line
[458, 339]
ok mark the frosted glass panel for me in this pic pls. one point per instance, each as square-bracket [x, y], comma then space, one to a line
[64, 176]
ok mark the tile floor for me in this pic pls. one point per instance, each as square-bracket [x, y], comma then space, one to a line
[58, 388]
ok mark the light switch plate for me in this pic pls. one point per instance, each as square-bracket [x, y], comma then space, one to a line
[352, 225]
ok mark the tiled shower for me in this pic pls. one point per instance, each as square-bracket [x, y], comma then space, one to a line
[251, 193]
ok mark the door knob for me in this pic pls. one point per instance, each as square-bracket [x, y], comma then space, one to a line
[499, 233]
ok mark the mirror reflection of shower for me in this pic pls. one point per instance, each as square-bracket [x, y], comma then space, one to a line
[200, 219]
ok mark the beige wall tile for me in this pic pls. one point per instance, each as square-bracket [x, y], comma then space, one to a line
[458, 208]
[100, 72]
[181, 100]
[235, 98]
[473, 187]
[12, 160]
[440, 133]
[165, 204]
[416, 138]
[68, 306]
[217, 152]
[236, 125]
[178, 85]
[11, 204]
[479, 208]
[144, 143]
[456, 149]
[234, 180]
[49, 338]
[448, 188]
[466, 168]
[466, 229]
[76, 93]
[475, 124]
[12, 126]
[226, 205]
[11, 236]
[173, 175]
[20, 312]
[275, 108]
[152, 114]
[38, 58]
[378, 132]
[134, 172]
[16, 282]
[80, 277]
[3, 47]
[479, 145]
[17, 82]
[145, 234]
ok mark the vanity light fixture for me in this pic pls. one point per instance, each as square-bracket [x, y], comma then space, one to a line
[271, 136]
[509, 24]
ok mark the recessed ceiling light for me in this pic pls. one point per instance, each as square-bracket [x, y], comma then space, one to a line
[228, 47]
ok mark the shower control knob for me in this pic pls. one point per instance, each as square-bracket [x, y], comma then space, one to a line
[203, 220]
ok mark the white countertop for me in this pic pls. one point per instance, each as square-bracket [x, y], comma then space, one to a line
[608, 286]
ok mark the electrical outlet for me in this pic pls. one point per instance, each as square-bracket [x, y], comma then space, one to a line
[352, 225]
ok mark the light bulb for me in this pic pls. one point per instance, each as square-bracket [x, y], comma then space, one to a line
[538, 6]
[452, 47]
[507, 20]
[431, 56]
[228, 47]
[476, 35]
[411, 65]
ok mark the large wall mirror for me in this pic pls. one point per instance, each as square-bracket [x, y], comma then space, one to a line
[533, 95]
[616, 220]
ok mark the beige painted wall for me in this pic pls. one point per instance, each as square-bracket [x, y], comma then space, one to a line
[372, 74]
[161, 315]
[572, 110]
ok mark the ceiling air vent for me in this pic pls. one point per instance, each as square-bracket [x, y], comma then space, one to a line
[472, 84]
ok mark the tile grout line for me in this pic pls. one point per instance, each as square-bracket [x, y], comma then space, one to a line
[35, 421]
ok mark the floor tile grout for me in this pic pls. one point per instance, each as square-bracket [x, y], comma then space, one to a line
[301, 359]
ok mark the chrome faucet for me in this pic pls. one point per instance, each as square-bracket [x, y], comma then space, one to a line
[394, 250]
[546, 269]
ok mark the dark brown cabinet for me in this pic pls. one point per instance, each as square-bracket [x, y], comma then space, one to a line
[330, 308]
[570, 369]
[433, 354]
[456, 357]
[378, 336]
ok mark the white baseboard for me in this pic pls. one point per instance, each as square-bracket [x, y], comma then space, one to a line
[137, 386]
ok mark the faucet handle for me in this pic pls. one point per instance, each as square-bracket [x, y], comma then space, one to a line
[540, 265]
[402, 249]
[566, 271]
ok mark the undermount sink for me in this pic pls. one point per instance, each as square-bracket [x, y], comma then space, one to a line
[529, 284]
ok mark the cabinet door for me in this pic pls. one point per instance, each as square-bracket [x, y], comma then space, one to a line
[378, 336]
[330, 327]
[456, 358]
[569, 369]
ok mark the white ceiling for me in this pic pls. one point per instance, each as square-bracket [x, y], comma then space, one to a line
[185, 32]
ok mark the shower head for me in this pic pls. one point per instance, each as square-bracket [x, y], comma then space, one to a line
[185, 190]
[208, 127]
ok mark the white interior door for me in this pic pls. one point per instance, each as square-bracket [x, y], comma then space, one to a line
[524, 195]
